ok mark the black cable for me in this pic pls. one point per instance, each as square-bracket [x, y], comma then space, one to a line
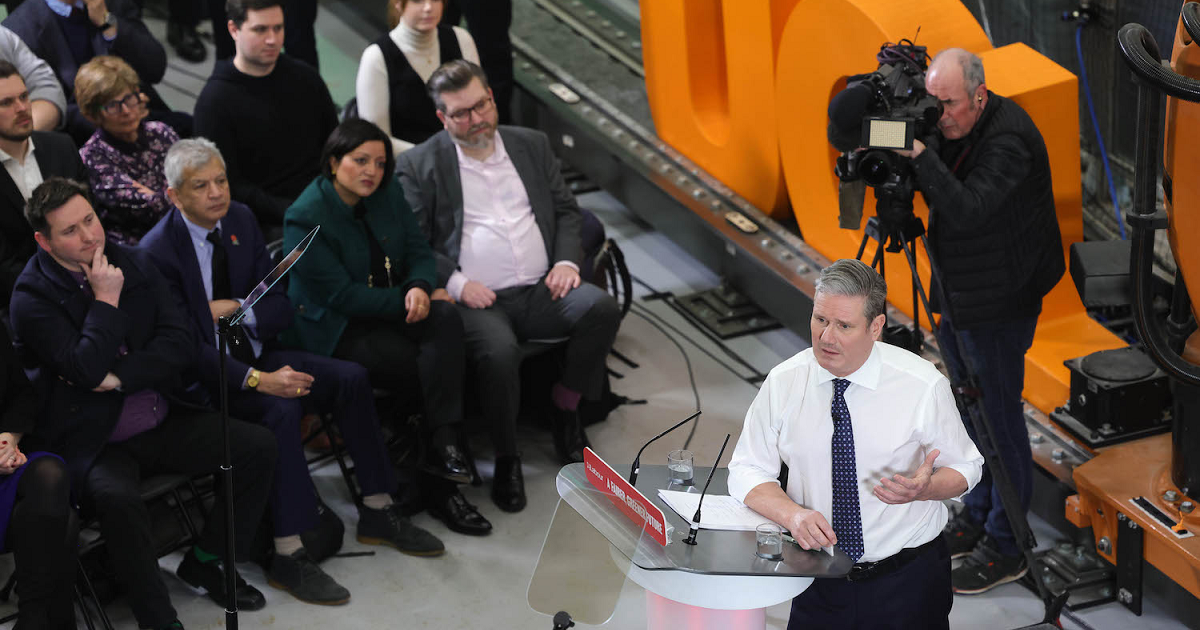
[755, 375]
[687, 361]
[699, 347]
[1076, 619]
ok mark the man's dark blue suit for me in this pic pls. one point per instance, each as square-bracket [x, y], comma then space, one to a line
[340, 387]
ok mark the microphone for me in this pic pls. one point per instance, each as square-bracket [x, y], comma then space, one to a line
[691, 539]
[846, 112]
[634, 469]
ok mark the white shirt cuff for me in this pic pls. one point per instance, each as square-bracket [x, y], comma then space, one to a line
[569, 264]
[454, 286]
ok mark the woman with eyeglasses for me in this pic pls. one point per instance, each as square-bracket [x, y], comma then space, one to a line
[392, 73]
[363, 293]
[124, 156]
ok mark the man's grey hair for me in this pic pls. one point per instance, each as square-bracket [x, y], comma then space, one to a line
[189, 155]
[972, 67]
[854, 278]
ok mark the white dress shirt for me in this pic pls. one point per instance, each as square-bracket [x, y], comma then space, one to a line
[204, 253]
[502, 245]
[901, 408]
[25, 172]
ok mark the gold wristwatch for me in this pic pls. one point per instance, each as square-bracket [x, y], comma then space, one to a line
[253, 379]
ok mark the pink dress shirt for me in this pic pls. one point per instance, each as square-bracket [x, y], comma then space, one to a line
[502, 246]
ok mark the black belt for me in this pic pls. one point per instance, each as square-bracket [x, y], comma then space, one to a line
[868, 570]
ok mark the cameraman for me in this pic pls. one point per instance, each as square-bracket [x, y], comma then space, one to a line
[995, 240]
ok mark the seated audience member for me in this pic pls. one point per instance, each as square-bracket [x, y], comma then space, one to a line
[36, 520]
[124, 157]
[505, 233]
[362, 293]
[393, 71]
[212, 253]
[299, 19]
[107, 345]
[68, 33]
[47, 102]
[28, 156]
[268, 113]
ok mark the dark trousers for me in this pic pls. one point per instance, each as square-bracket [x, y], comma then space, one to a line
[43, 533]
[299, 26]
[428, 353]
[997, 356]
[187, 442]
[339, 387]
[587, 316]
[185, 12]
[917, 595]
[489, 21]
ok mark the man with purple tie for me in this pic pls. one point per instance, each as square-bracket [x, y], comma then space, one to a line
[860, 425]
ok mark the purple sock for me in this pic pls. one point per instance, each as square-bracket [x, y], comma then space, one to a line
[565, 398]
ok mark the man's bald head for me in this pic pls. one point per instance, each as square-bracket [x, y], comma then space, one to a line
[955, 78]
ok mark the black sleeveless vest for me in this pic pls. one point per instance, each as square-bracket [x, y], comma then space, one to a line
[410, 107]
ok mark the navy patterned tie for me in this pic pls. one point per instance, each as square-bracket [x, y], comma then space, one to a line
[847, 521]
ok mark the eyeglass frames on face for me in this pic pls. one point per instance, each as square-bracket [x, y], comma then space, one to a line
[480, 108]
[132, 100]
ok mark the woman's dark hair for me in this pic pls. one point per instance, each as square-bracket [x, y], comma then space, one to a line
[350, 135]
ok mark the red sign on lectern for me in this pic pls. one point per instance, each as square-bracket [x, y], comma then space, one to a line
[633, 503]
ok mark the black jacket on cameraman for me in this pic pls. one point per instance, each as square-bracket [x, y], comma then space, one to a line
[992, 225]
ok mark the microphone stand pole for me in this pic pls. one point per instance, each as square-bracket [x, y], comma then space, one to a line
[231, 612]
[637, 461]
[691, 539]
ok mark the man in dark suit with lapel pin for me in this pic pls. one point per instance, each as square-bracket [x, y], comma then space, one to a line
[52, 153]
[212, 252]
[504, 229]
[105, 346]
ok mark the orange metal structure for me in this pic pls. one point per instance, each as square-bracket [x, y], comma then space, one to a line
[1107, 482]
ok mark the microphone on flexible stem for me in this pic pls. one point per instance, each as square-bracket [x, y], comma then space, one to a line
[691, 539]
[634, 469]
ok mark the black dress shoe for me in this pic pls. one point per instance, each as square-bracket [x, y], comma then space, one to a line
[569, 438]
[186, 42]
[210, 577]
[508, 485]
[460, 516]
[449, 463]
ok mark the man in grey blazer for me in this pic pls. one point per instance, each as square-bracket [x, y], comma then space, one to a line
[504, 229]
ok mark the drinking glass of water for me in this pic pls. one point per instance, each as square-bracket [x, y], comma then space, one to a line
[679, 467]
[770, 541]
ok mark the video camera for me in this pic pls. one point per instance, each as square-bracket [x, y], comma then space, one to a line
[877, 112]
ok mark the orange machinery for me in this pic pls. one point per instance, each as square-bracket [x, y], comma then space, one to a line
[1139, 498]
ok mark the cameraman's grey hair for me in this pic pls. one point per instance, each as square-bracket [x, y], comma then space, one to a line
[972, 67]
[854, 278]
[189, 155]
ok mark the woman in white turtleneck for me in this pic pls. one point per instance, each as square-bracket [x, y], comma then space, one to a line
[393, 70]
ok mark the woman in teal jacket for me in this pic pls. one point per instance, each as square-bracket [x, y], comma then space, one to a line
[363, 292]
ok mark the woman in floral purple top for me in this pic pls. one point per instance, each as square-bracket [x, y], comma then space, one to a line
[125, 156]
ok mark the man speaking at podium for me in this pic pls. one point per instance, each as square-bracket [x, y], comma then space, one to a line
[873, 442]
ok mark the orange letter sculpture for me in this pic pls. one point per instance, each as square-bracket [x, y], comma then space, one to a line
[710, 79]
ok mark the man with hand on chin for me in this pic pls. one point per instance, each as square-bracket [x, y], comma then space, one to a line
[874, 444]
[105, 346]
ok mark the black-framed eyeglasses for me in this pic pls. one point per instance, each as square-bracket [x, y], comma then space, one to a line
[132, 100]
[463, 115]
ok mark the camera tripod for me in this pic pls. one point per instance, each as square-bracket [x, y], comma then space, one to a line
[896, 229]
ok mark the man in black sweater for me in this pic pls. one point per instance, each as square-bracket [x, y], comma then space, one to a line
[268, 113]
[995, 239]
